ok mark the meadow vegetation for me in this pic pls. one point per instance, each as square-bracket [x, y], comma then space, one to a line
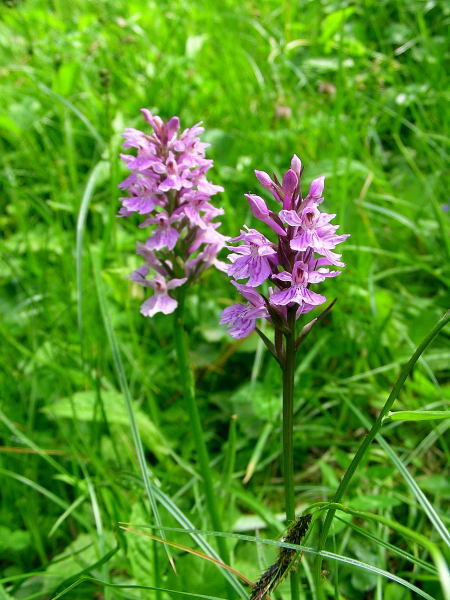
[359, 91]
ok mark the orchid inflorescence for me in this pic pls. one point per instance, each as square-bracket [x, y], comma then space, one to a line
[299, 257]
[168, 185]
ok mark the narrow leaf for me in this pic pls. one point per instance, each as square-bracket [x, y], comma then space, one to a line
[418, 415]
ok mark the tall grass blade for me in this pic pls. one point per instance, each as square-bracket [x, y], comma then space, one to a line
[120, 371]
[81, 224]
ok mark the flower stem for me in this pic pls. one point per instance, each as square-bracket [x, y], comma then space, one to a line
[188, 386]
[287, 440]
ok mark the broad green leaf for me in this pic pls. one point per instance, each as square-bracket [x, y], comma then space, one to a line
[13, 541]
[140, 549]
[78, 555]
[85, 406]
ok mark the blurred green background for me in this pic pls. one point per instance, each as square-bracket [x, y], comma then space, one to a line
[359, 91]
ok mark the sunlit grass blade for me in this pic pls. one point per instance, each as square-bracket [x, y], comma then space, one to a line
[411, 482]
[394, 549]
[81, 225]
[257, 451]
[120, 371]
[418, 415]
[95, 134]
[69, 510]
[439, 561]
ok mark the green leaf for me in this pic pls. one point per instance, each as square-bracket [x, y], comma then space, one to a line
[140, 549]
[436, 484]
[79, 557]
[13, 541]
[363, 580]
[333, 23]
[418, 415]
[84, 406]
[264, 401]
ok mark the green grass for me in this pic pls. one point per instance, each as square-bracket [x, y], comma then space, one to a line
[358, 91]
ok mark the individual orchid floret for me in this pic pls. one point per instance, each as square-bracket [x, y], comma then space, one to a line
[298, 291]
[252, 258]
[152, 261]
[177, 178]
[164, 236]
[161, 301]
[208, 235]
[313, 230]
[285, 192]
[261, 212]
[206, 187]
[265, 180]
[316, 189]
[288, 188]
[241, 318]
[206, 258]
[195, 206]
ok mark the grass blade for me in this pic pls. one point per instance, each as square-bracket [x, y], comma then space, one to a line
[120, 371]
[81, 223]
[418, 415]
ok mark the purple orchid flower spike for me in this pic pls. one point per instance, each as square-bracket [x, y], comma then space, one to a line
[168, 184]
[297, 260]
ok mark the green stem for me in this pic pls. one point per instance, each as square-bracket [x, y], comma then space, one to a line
[188, 385]
[287, 440]
[364, 446]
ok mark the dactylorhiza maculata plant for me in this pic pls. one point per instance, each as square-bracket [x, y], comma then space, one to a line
[274, 274]
[169, 188]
